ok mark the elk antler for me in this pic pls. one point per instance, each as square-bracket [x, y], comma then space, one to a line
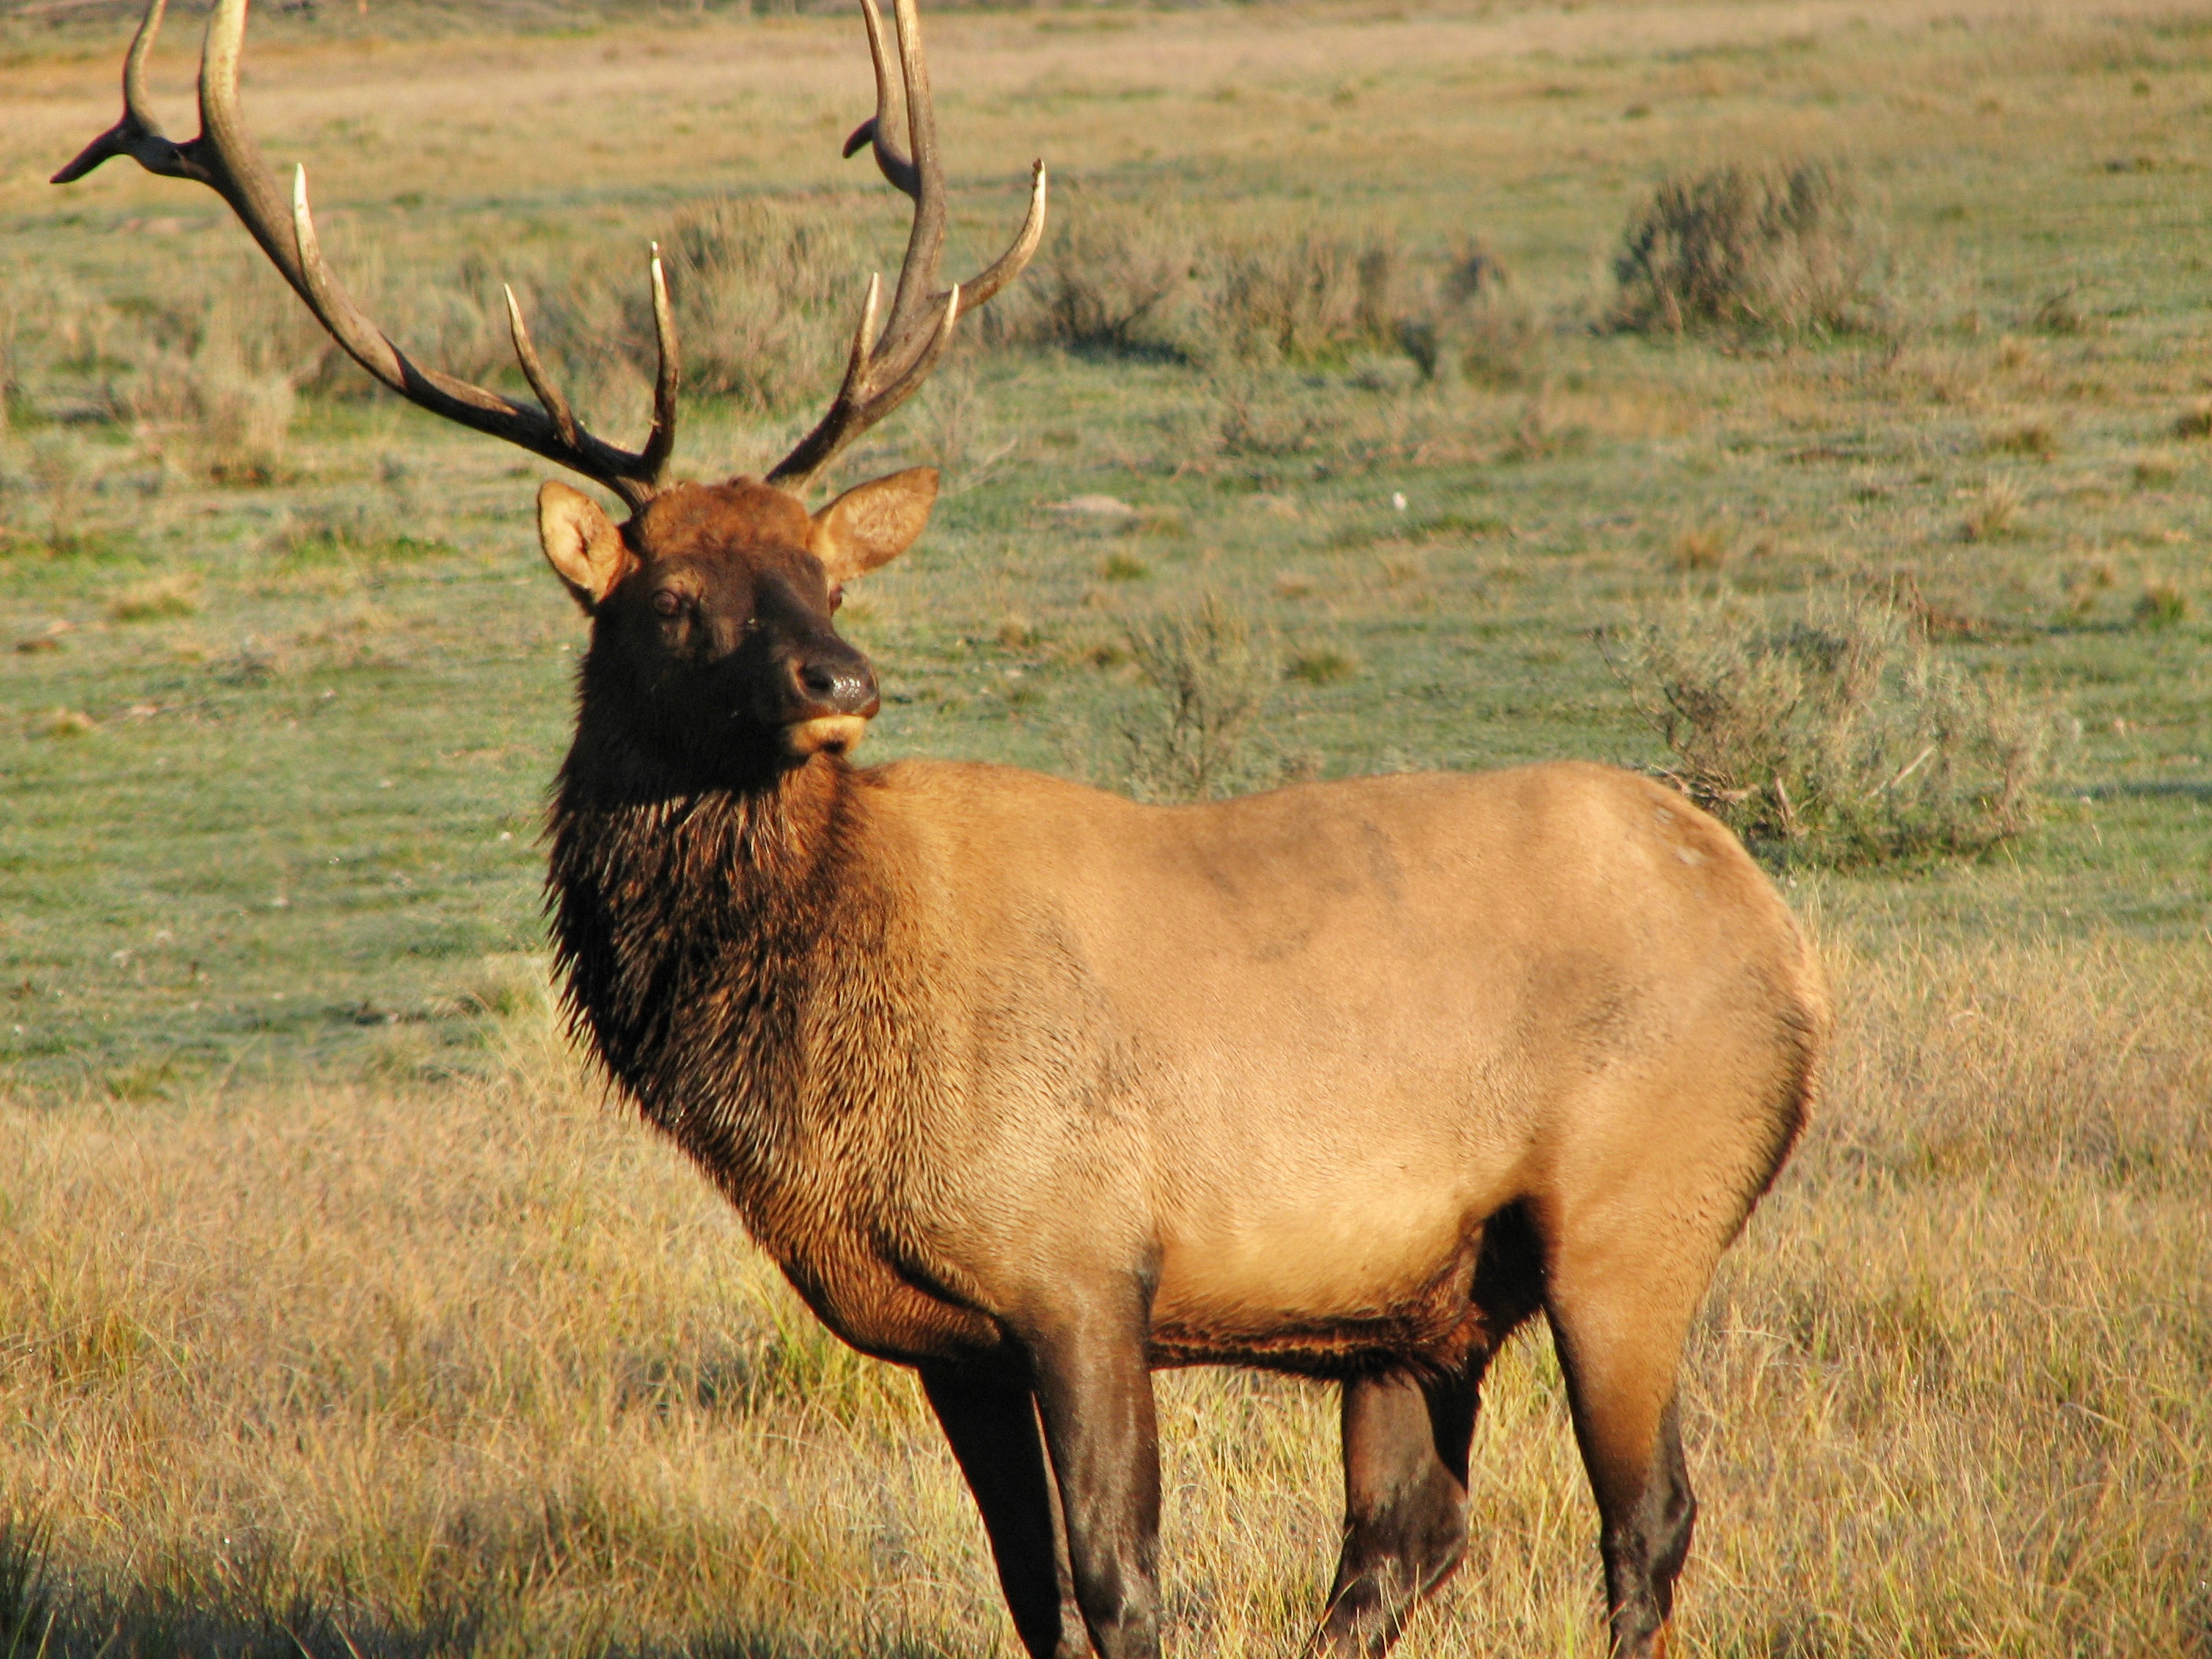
[225, 159]
[882, 373]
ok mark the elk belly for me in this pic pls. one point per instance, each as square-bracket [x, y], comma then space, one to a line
[1376, 1266]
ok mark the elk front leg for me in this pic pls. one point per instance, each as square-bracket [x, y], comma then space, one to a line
[993, 1426]
[1094, 1393]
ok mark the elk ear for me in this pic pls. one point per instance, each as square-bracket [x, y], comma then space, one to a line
[873, 524]
[581, 543]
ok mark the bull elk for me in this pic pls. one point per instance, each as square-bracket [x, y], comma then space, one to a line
[1036, 1090]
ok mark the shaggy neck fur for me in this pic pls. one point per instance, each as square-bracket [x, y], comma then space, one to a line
[702, 934]
[749, 964]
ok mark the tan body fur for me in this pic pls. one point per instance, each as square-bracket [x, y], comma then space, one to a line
[1297, 1049]
[1292, 1049]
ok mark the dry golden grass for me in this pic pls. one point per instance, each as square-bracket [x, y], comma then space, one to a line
[490, 1371]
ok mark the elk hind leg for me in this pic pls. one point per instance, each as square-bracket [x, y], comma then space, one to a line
[1620, 1338]
[1405, 1504]
[1405, 1455]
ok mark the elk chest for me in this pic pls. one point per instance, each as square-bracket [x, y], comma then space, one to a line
[733, 964]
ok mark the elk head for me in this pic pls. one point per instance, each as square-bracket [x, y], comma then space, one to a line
[713, 646]
[715, 658]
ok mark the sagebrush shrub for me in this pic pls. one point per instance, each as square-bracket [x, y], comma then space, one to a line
[1463, 320]
[1207, 674]
[1839, 737]
[1147, 279]
[1308, 296]
[1112, 277]
[1776, 248]
[213, 371]
[763, 294]
[765, 298]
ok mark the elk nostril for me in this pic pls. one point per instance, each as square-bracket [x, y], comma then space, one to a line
[836, 683]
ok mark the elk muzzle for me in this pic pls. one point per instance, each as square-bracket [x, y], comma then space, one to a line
[833, 692]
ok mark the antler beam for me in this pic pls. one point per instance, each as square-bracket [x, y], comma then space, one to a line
[882, 373]
[225, 158]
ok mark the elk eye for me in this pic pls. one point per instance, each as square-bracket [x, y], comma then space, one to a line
[837, 598]
[667, 601]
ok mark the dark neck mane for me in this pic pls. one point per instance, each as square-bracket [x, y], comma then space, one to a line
[686, 926]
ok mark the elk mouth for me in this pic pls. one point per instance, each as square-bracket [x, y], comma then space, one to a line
[829, 697]
[819, 734]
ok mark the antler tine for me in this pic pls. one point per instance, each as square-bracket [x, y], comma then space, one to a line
[925, 247]
[137, 134]
[881, 375]
[225, 158]
[549, 395]
[668, 375]
[979, 289]
[860, 402]
[830, 432]
[880, 130]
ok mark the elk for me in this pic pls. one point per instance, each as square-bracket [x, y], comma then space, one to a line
[1036, 1090]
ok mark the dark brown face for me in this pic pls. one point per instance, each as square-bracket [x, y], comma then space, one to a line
[716, 644]
[740, 644]
[713, 648]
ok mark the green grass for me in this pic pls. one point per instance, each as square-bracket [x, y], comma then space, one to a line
[281, 842]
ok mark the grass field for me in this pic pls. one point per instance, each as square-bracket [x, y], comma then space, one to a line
[337, 1311]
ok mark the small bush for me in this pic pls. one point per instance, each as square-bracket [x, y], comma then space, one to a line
[1745, 248]
[2161, 606]
[1702, 549]
[1144, 279]
[1838, 738]
[331, 531]
[1259, 412]
[1322, 666]
[2080, 585]
[1207, 673]
[64, 723]
[220, 385]
[1498, 344]
[1310, 296]
[765, 297]
[161, 597]
[954, 429]
[1466, 321]
[1995, 512]
[1114, 278]
[763, 293]
[2036, 439]
[59, 474]
[244, 423]
[2056, 314]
